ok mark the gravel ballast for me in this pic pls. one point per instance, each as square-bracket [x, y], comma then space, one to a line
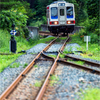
[10, 74]
[29, 86]
[71, 82]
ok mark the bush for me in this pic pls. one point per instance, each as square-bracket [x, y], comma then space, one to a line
[91, 29]
[5, 5]
[90, 24]
[8, 17]
[97, 31]
[44, 19]
[94, 38]
[26, 32]
[36, 23]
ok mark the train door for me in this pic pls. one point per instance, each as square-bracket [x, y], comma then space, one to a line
[62, 15]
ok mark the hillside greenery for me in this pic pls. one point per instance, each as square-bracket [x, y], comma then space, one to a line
[36, 9]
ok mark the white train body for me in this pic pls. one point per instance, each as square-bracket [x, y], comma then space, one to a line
[60, 17]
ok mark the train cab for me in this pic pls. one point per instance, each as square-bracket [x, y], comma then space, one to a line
[60, 17]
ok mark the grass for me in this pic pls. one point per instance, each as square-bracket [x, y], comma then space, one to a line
[8, 59]
[90, 94]
[93, 52]
[46, 39]
[22, 44]
[15, 65]
[35, 66]
[38, 84]
[54, 79]
[93, 49]
[62, 56]
[25, 65]
[58, 40]
[66, 51]
[61, 38]
[51, 55]
[77, 62]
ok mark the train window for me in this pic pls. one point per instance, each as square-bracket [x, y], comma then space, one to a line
[69, 12]
[54, 11]
[61, 12]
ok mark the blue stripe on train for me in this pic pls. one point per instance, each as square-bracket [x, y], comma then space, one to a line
[54, 17]
[69, 16]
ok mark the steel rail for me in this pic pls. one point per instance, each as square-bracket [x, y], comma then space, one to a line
[44, 32]
[43, 88]
[62, 48]
[48, 56]
[80, 66]
[19, 78]
[90, 62]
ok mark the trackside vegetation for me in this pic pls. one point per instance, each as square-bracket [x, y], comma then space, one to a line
[53, 79]
[22, 44]
[38, 84]
[90, 94]
[93, 51]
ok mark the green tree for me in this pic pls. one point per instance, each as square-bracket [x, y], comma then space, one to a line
[93, 8]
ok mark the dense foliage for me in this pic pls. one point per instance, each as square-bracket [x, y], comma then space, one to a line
[14, 12]
[12, 16]
[33, 12]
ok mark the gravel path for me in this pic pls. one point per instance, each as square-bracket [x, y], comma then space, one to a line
[37, 48]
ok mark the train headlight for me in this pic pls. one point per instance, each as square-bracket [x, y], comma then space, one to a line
[68, 22]
[71, 22]
[56, 23]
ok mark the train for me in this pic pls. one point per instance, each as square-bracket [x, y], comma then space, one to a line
[60, 17]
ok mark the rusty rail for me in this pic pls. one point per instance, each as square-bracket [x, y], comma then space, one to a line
[45, 33]
[19, 78]
[42, 90]
[80, 66]
[90, 62]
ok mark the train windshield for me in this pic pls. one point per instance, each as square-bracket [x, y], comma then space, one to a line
[54, 13]
[69, 12]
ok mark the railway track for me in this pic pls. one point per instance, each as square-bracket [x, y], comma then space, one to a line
[44, 33]
[23, 74]
[38, 93]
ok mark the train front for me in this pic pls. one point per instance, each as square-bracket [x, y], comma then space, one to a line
[60, 17]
